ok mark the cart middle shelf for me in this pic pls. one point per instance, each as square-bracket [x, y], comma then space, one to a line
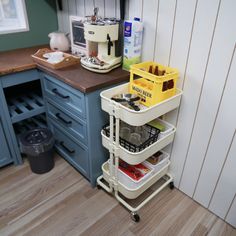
[134, 158]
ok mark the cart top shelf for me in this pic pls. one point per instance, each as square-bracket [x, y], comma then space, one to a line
[133, 117]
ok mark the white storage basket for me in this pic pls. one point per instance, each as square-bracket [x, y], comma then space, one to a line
[133, 193]
[164, 160]
[168, 128]
[131, 183]
[134, 158]
[132, 117]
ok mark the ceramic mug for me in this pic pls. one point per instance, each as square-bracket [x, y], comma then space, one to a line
[55, 57]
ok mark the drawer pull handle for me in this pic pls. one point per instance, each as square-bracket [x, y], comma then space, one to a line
[67, 122]
[59, 94]
[66, 148]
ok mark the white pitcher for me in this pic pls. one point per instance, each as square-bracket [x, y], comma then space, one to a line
[59, 41]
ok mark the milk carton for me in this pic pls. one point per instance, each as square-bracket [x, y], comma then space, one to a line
[133, 32]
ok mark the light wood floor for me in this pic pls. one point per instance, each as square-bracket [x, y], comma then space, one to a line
[62, 202]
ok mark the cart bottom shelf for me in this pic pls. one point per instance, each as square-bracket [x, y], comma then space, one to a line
[134, 205]
[132, 193]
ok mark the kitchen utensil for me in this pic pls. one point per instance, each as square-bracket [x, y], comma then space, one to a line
[54, 57]
[127, 99]
[125, 133]
[135, 139]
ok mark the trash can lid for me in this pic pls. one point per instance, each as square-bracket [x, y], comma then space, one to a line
[36, 136]
[36, 141]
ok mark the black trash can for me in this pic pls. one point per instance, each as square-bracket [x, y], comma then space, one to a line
[37, 144]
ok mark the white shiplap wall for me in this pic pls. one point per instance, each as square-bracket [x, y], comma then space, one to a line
[198, 38]
[107, 8]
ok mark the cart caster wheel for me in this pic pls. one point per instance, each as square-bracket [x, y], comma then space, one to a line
[135, 217]
[98, 186]
[171, 185]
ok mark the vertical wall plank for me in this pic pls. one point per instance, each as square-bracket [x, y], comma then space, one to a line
[127, 9]
[231, 216]
[150, 12]
[215, 78]
[220, 142]
[226, 188]
[117, 4]
[89, 7]
[59, 18]
[80, 8]
[72, 7]
[197, 62]
[100, 4]
[135, 9]
[164, 31]
[185, 12]
[65, 17]
[110, 10]
[182, 32]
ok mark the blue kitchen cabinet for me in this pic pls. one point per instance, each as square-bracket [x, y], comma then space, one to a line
[21, 104]
[6, 152]
[76, 119]
[5, 155]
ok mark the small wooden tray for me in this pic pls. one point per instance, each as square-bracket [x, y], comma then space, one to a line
[68, 60]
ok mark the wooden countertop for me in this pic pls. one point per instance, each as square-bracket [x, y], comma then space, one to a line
[75, 76]
[17, 60]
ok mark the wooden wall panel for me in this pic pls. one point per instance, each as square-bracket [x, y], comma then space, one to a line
[127, 9]
[221, 201]
[220, 142]
[101, 7]
[89, 6]
[135, 9]
[72, 7]
[198, 57]
[150, 14]
[182, 32]
[80, 7]
[231, 216]
[179, 51]
[65, 17]
[213, 85]
[166, 18]
[110, 10]
[59, 18]
[117, 5]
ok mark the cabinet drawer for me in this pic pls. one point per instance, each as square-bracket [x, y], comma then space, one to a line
[71, 123]
[73, 152]
[64, 95]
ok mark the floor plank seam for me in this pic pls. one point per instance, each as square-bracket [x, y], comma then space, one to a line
[42, 203]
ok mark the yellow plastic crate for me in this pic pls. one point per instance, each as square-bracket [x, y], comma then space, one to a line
[150, 85]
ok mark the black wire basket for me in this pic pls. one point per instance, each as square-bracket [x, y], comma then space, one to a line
[153, 134]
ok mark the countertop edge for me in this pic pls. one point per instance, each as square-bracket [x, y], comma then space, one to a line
[18, 69]
[118, 80]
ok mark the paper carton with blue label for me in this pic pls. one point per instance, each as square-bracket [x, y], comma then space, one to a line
[133, 32]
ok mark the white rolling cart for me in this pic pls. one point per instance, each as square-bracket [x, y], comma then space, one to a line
[135, 118]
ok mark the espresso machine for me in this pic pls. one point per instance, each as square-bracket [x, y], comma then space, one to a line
[101, 36]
